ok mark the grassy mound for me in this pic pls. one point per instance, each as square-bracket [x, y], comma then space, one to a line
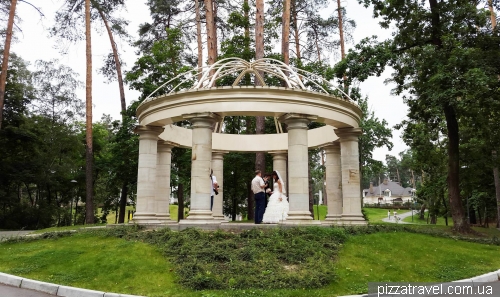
[321, 262]
[264, 259]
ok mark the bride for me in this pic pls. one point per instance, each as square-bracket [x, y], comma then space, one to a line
[277, 207]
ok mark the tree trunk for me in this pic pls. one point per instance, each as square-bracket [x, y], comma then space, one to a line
[445, 209]
[180, 202]
[76, 210]
[433, 219]
[422, 212]
[341, 31]
[492, 15]
[89, 202]
[317, 45]
[260, 157]
[497, 185]
[216, 49]
[211, 38]
[117, 63]
[198, 37]
[296, 30]
[6, 53]
[123, 203]
[472, 219]
[457, 212]
[247, 80]
[285, 32]
[123, 198]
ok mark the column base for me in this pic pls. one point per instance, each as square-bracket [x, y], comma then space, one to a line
[143, 218]
[199, 217]
[198, 222]
[219, 218]
[333, 217]
[165, 219]
[300, 218]
[353, 219]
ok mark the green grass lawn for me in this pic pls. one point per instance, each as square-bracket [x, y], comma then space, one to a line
[82, 260]
[131, 267]
[399, 257]
[440, 221]
[375, 215]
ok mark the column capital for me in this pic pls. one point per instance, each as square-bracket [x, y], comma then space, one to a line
[348, 134]
[297, 120]
[148, 131]
[279, 155]
[166, 146]
[333, 148]
[202, 119]
[219, 155]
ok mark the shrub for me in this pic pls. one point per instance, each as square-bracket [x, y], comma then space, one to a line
[263, 259]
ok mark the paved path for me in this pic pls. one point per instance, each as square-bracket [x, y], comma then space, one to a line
[7, 291]
[401, 216]
[7, 234]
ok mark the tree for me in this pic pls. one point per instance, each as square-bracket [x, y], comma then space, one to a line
[285, 35]
[211, 32]
[89, 205]
[6, 52]
[198, 37]
[376, 134]
[40, 148]
[436, 51]
[166, 15]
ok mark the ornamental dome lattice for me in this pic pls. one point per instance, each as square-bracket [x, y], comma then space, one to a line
[237, 68]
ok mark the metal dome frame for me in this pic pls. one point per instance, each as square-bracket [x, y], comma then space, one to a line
[294, 77]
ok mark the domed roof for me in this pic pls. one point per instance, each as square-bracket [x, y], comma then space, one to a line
[237, 68]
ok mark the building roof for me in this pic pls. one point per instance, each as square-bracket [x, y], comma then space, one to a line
[394, 187]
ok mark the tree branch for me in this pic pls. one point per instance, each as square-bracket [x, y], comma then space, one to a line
[39, 11]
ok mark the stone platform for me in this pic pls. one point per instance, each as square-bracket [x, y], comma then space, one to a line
[239, 226]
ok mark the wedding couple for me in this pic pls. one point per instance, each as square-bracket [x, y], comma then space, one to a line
[277, 207]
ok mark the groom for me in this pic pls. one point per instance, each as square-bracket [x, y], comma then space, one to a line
[258, 186]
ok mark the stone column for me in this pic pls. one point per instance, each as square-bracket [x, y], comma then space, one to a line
[351, 192]
[146, 177]
[218, 167]
[279, 164]
[201, 163]
[333, 182]
[298, 165]
[163, 168]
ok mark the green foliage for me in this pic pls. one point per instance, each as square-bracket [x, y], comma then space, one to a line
[165, 61]
[166, 15]
[445, 61]
[40, 150]
[318, 33]
[376, 134]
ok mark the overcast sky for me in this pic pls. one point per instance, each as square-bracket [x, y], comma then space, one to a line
[34, 44]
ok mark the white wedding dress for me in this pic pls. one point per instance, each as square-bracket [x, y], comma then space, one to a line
[276, 210]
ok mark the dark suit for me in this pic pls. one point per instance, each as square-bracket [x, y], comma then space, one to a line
[269, 185]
